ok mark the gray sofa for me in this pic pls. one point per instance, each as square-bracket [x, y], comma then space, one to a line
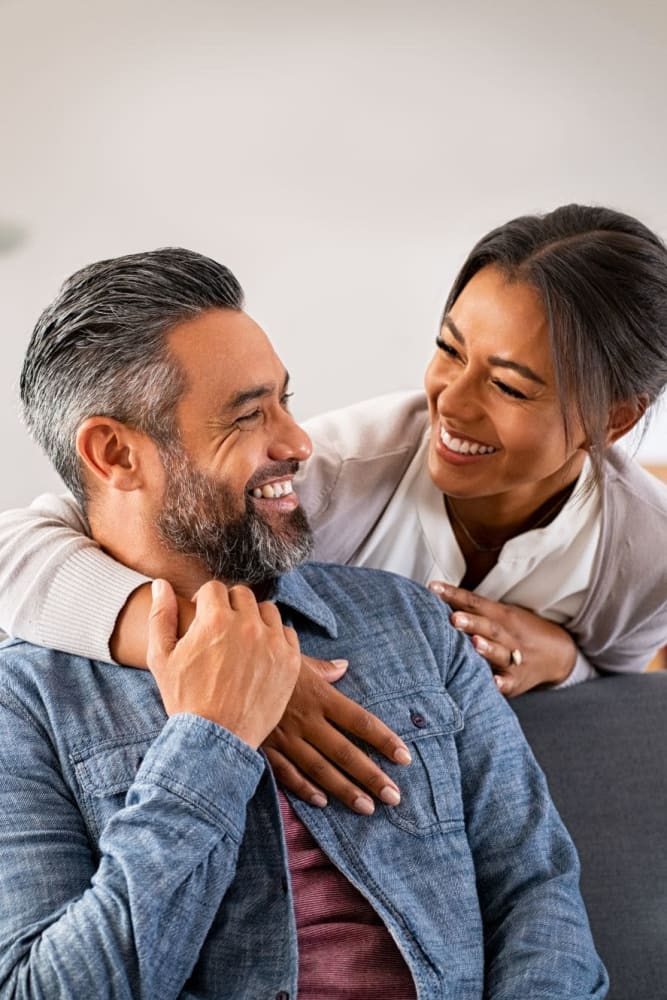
[603, 747]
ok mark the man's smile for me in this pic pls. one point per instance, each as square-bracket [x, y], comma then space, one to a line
[273, 490]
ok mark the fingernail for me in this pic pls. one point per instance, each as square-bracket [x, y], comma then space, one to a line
[363, 805]
[500, 683]
[437, 587]
[460, 621]
[318, 800]
[390, 796]
[340, 663]
[481, 644]
[402, 756]
[157, 589]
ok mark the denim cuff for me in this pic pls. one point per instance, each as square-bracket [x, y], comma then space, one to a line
[206, 766]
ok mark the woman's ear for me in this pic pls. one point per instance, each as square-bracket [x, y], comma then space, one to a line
[624, 416]
[111, 453]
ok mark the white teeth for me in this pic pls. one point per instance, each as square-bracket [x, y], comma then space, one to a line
[464, 447]
[272, 491]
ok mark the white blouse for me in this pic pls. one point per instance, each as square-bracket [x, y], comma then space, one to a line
[414, 537]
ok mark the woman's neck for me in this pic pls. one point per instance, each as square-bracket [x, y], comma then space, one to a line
[483, 525]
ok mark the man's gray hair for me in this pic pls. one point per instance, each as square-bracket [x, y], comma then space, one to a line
[100, 348]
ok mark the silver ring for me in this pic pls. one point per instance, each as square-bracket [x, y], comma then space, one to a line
[516, 657]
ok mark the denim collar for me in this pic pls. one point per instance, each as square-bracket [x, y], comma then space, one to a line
[293, 591]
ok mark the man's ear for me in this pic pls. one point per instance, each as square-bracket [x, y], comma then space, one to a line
[111, 452]
[624, 416]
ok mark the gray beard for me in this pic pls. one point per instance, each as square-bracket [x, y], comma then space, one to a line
[200, 518]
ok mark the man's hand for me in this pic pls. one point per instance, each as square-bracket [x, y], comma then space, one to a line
[544, 653]
[236, 665]
[308, 742]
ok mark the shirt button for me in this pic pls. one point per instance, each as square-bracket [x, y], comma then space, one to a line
[417, 720]
[283, 995]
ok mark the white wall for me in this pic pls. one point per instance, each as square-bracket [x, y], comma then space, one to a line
[341, 158]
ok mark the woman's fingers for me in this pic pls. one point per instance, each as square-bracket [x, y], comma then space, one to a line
[460, 599]
[312, 751]
[498, 655]
[329, 670]
[291, 778]
[486, 628]
[334, 772]
[312, 693]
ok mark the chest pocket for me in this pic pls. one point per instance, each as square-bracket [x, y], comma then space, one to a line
[104, 772]
[427, 720]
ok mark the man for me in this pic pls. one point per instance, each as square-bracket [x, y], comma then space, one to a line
[146, 851]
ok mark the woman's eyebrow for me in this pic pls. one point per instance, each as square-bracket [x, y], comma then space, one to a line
[494, 360]
[515, 366]
[454, 330]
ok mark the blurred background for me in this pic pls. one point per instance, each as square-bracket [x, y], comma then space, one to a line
[340, 158]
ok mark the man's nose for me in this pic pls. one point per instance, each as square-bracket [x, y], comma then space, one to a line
[290, 442]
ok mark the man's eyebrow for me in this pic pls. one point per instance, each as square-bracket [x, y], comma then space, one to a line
[246, 396]
[494, 359]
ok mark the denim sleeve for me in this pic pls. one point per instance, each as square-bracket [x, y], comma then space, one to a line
[128, 919]
[537, 937]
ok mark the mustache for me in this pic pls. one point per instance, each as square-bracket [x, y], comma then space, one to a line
[274, 470]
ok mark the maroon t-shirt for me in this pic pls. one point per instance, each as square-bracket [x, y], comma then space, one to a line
[345, 950]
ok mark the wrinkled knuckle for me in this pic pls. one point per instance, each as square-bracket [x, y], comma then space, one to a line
[251, 632]
[213, 590]
[215, 620]
[495, 631]
[366, 726]
[317, 770]
[346, 755]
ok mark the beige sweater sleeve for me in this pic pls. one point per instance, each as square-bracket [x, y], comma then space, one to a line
[57, 587]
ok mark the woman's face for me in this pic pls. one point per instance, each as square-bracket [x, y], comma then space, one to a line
[496, 421]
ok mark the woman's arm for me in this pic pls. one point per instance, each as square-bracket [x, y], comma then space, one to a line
[57, 587]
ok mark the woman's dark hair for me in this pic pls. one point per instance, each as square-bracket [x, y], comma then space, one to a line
[602, 278]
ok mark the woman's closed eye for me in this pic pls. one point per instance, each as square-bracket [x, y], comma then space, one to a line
[446, 348]
[509, 390]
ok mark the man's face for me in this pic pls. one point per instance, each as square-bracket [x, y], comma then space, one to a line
[228, 498]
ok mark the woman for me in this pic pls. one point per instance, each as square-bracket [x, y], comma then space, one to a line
[501, 486]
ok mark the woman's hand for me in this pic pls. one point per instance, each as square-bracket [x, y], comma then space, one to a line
[307, 743]
[523, 649]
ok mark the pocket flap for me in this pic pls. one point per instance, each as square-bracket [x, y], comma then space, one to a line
[418, 712]
[109, 768]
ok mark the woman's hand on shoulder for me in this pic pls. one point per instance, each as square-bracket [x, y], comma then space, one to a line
[523, 649]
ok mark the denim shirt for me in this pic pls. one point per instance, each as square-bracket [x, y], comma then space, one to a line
[144, 857]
